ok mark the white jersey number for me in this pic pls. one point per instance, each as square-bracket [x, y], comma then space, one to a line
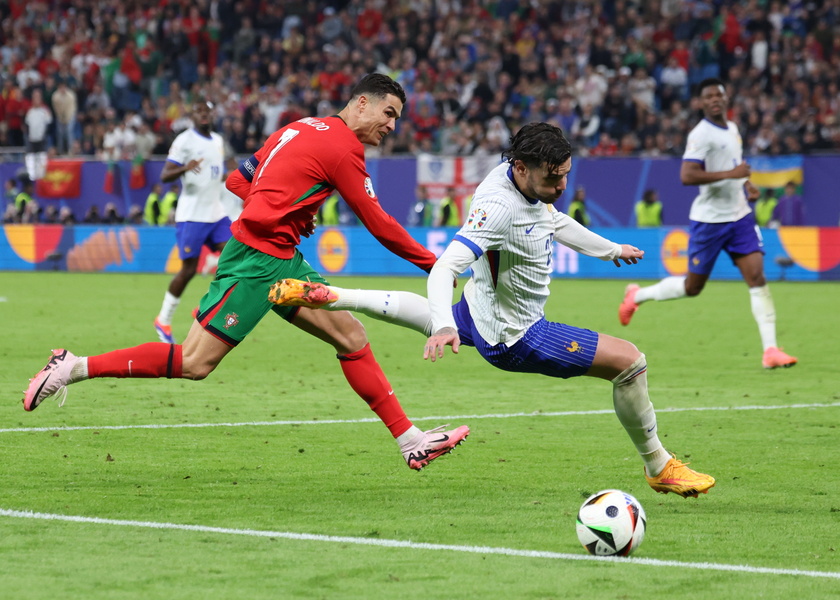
[287, 137]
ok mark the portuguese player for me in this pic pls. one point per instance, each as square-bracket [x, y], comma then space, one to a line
[283, 185]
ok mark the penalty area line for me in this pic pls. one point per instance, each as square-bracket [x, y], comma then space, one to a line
[567, 413]
[309, 537]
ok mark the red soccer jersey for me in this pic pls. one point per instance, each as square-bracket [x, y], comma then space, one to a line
[297, 168]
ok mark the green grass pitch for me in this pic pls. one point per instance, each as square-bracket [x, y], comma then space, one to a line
[295, 493]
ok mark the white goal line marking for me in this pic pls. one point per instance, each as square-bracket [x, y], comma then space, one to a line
[311, 537]
[567, 413]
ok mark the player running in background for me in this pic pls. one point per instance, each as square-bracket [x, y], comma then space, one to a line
[284, 184]
[197, 157]
[721, 219]
[507, 241]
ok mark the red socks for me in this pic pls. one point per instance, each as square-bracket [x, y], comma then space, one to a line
[366, 378]
[146, 360]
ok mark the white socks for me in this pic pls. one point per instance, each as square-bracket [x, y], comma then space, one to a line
[409, 435]
[635, 412]
[669, 288]
[765, 314]
[400, 308]
[79, 372]
[167, 310]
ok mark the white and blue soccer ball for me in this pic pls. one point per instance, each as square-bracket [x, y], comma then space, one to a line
[611, 523]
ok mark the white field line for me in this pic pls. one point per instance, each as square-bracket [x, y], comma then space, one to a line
[310, 537]
[450, 418]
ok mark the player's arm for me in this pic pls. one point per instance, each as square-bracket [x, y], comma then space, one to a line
[239, 181]
[173, 170]
[349, 178]
[456, 259]
[693, 172]
[572, 234]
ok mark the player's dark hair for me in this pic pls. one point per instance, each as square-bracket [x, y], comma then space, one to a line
[536, 144]
[377, 84]
[708, 82]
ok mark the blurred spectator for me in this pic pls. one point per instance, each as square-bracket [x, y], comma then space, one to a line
[32, 213]
[328, 214]
[23, 198]
[135, 215]
[577, 207]
[111, 216]
[649, 210]
[152, 210]
[10, 192]
[15, 107]
[38, 118]
[144, 141]
[66, 216]
[168, 204]
[65, 107]
[448, 213]
[790, 211]
[422, 212]
[764, 207]
[93, 216]
[51, 216]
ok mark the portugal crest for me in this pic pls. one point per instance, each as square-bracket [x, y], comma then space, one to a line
[231, 320]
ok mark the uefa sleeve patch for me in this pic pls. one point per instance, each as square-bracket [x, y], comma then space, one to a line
[477, 218]
[369, 187]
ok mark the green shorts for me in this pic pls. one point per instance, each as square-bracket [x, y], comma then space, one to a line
[238, 298]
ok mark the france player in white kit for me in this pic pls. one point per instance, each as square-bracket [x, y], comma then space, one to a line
[721, 220]
[197, 156]
[507, 241]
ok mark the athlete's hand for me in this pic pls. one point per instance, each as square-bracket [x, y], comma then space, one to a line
[310, 227]
[447, 336]
[194, 165]
[753, 192]
[740, 172]
[629, 254]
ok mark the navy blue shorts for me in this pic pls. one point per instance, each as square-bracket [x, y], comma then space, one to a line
[191, 236]
[547, 348]
[706, 240]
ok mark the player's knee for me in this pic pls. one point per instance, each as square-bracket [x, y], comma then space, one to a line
[353, 339]
[196, 369]
[693, 289]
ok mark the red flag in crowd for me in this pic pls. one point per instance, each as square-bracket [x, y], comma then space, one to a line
[137, 179]
[108, 183]
[63, 179]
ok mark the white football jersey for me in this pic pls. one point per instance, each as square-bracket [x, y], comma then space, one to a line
[510, 240]
[201, 193]
[717, 149]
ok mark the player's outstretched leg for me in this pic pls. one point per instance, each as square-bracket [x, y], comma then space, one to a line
[50, 381]
[426, 446]
[294, 292]
[628, 306]
[676, 477]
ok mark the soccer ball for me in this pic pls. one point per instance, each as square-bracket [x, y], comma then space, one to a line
[611, 523]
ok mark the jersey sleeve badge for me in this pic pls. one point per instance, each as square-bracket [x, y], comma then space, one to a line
[369, 187]
[477, 218]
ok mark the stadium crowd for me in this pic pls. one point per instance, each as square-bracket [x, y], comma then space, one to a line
[119, 75]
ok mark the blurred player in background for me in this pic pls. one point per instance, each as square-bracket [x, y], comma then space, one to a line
[284, 184]
[721, 220]
[197, 157]
[507, 241]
